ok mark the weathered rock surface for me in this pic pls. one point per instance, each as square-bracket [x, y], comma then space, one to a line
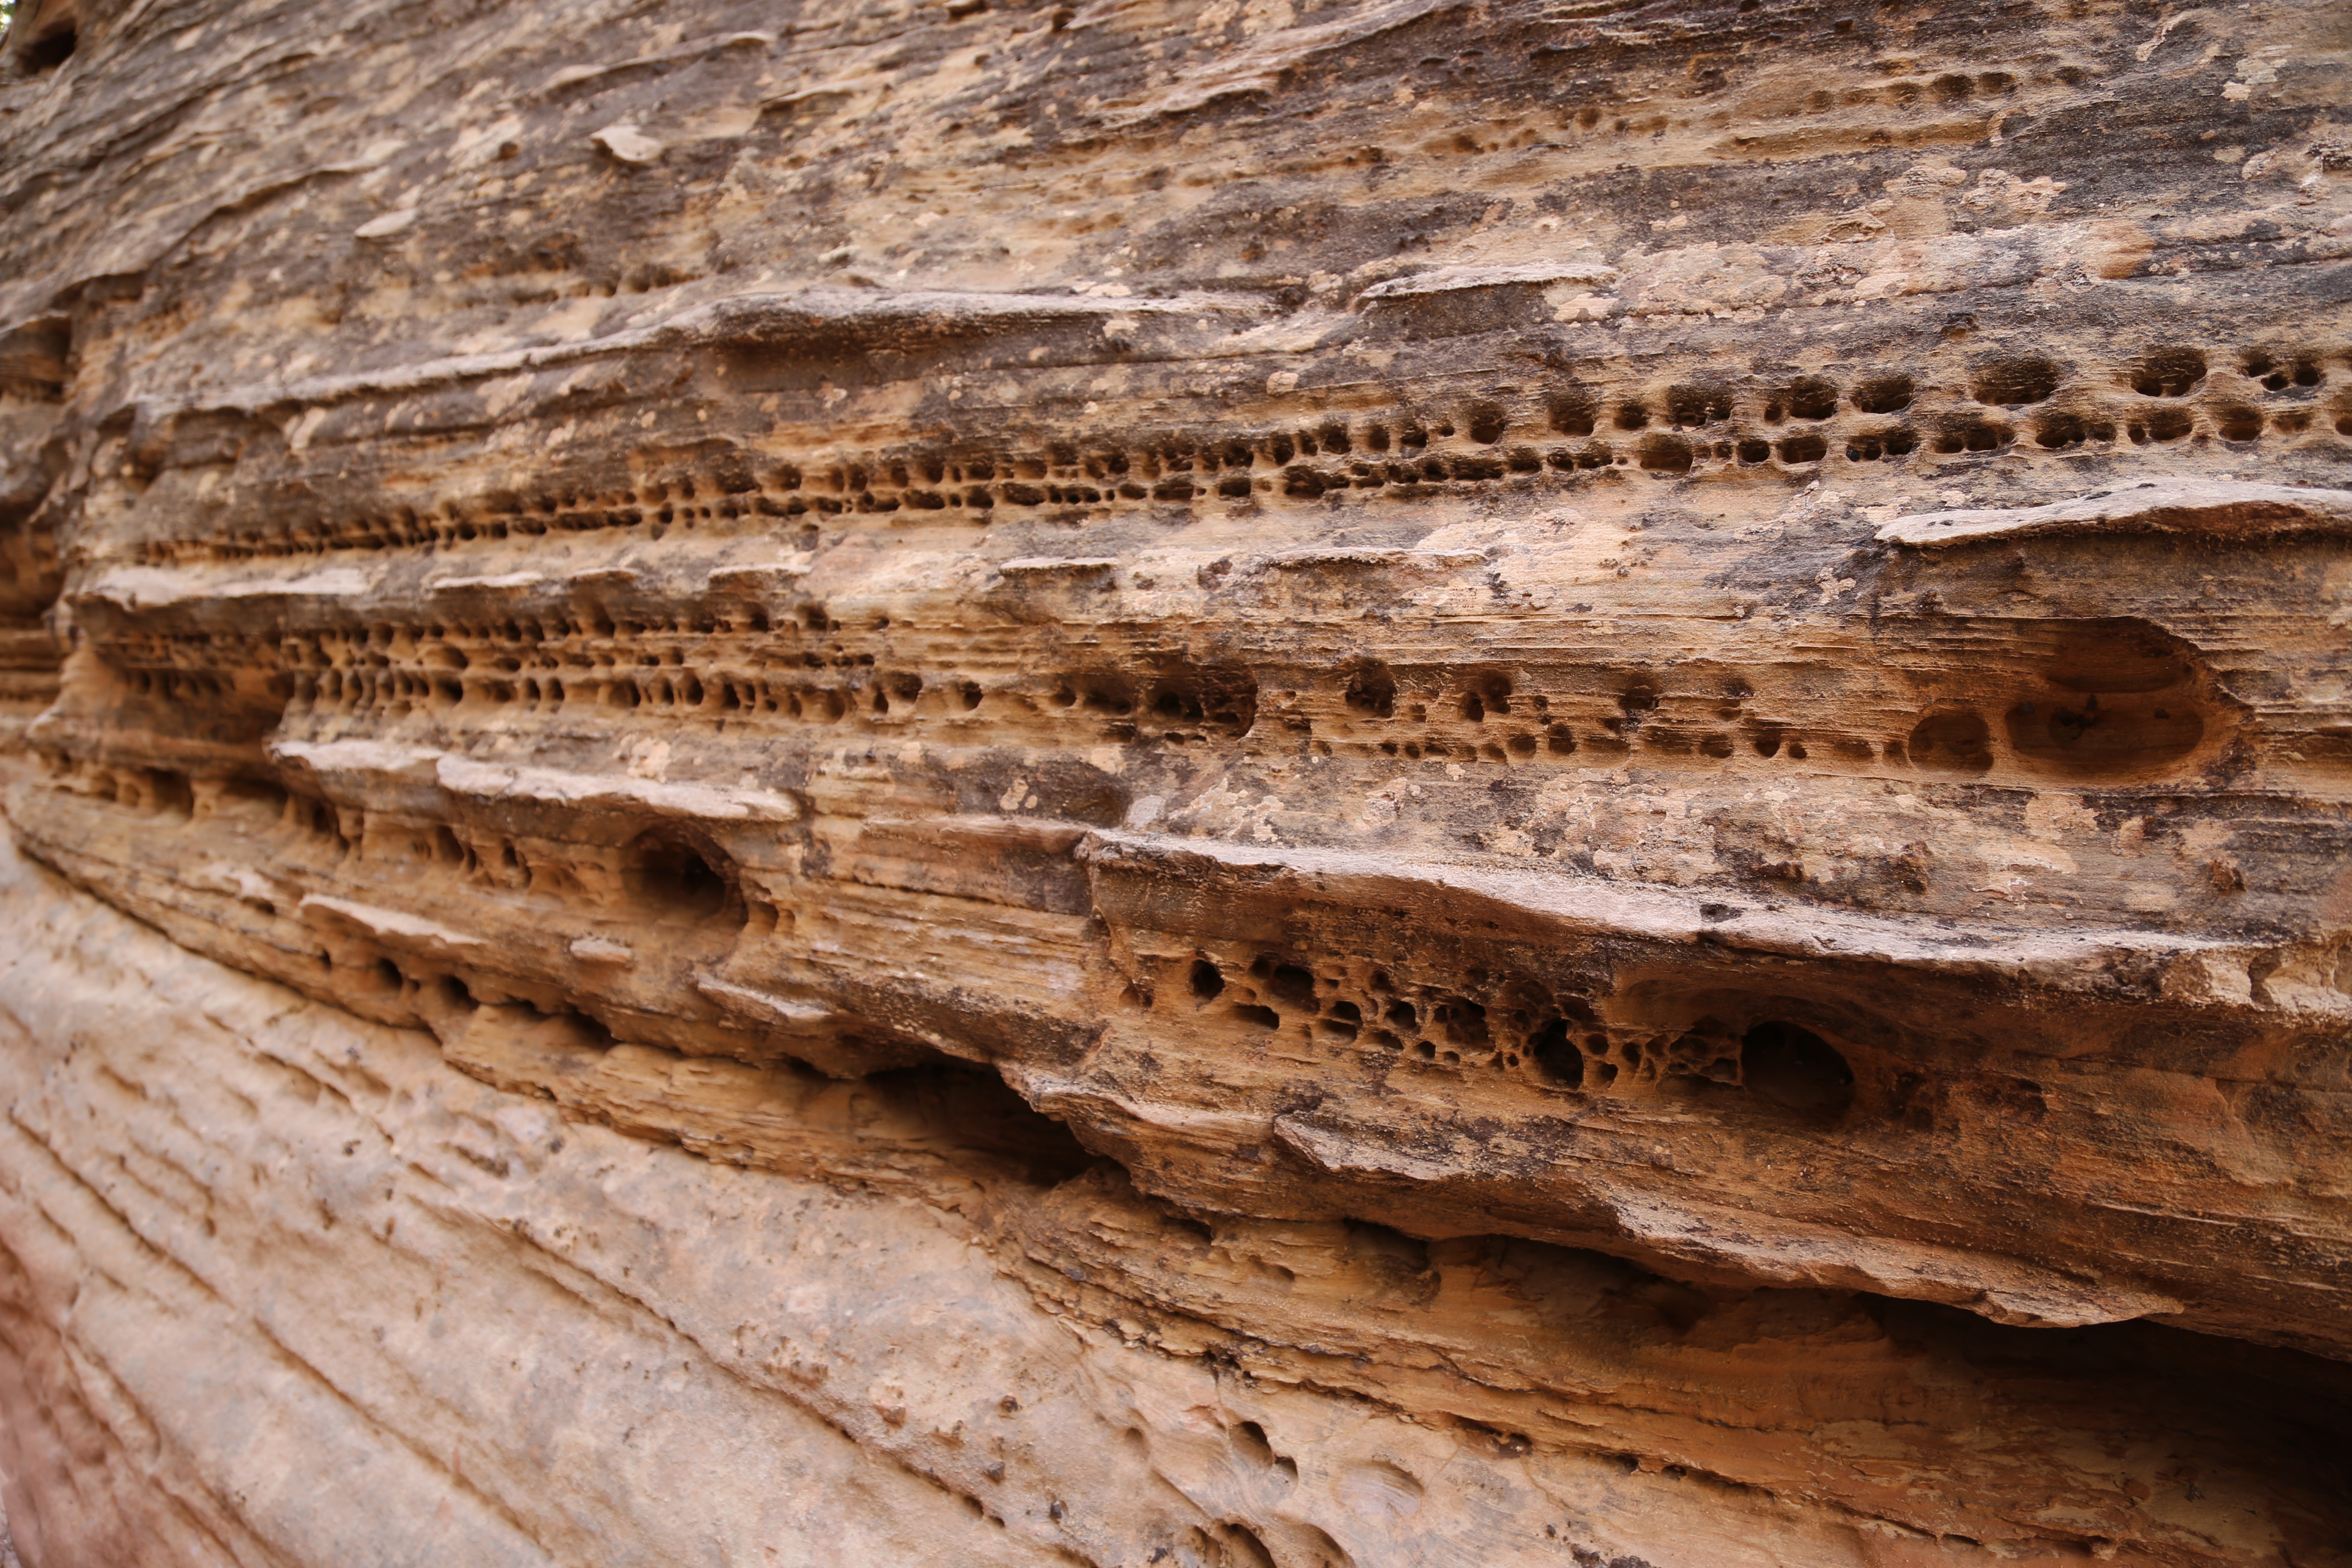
[1379, 783]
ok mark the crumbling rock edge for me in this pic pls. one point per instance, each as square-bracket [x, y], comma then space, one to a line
[2213, 509]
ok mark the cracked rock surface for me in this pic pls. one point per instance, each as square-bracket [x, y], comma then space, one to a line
[1210, 784]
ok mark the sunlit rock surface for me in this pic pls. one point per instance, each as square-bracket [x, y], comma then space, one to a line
[1206, 784]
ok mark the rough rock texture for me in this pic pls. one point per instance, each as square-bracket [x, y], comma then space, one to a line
[1222, 784]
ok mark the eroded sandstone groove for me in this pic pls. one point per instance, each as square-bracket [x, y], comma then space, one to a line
[1222, 784]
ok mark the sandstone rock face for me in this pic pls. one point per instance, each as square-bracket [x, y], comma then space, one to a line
[1222, 784]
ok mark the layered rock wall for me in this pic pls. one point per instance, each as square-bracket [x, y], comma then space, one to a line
[1386, 782]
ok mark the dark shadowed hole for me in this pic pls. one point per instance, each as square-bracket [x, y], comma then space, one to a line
[1208, 981]
[51, 50]
[1371, 690]
[1250, 1438]
[1690, 407]
[973, 1109]
[1263, 1017]
[1665, 455]
[2169, 373]
[1971, 435]
[1884, 394]
[1795, 1068]
[1557, 1055]
[1813, 398]
[1244, 1548]
[1292, 985]
[1572, 412]
[676, 879]
[1465, 1022]
[1108, 694]
[2058, 430]
[592, 1031]
[2239, 423]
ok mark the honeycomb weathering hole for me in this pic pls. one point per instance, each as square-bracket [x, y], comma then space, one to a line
[1217, 700]
[1666, 455]
[1796, 1069]
[2010, 382]
[1813, 398]
[2097, 735]
[1971, 434]
[2057, 431]
[2169, 373]
[2238, 423]
[1883, 394]
[677, 880]
[1372, 690]
[2279, 371]
[1692, 407]
[1488, 693]
[1572, 412]
[2116, 698]
[1288, 984]
[2162, 424]
[1557, 1055]
[1953, 741]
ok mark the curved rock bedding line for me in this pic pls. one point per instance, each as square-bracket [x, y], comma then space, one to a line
[1306, 1031]
[1226, 783]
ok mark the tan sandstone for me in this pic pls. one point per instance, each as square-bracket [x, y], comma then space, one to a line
[1209, 784]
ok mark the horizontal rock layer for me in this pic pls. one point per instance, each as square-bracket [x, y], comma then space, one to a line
[909, 1319]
